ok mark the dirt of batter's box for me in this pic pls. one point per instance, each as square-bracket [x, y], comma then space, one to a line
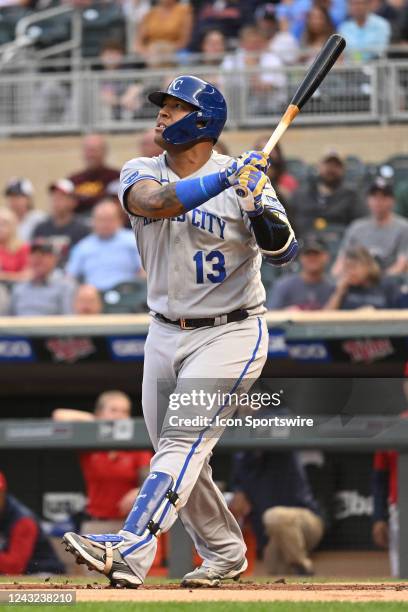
[264, 586]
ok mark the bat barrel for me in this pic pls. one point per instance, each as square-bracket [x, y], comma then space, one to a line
[319, 69]
[325, 60]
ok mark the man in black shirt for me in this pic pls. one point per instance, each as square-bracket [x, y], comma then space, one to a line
[92, 183]
[326, 200]
[61, 227]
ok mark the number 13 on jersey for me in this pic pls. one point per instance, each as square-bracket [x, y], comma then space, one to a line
[210, 266]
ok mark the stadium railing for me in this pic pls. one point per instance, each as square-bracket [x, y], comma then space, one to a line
[41, 34]
[398, 94]
[73, 101]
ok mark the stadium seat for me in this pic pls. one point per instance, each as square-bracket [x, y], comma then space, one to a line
[101, 22]
[269, 274]
[399, 164]
[298, 168]
[371, 173]
[128, 297]
[51, 31]
[9, 17]
[355, 170]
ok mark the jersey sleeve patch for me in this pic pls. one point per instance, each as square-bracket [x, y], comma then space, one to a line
[133, 171]
[135, 177]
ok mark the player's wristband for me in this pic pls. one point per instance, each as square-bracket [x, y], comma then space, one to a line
[195, 191]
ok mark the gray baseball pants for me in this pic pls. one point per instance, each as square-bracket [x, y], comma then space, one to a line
[230, 355]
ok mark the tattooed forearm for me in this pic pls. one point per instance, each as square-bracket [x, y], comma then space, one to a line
[157, 203]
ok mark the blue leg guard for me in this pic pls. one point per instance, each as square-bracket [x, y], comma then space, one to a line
[155, 493]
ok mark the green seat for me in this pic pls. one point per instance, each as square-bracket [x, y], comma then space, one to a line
[297, 168]
[100, 23]
[269, 274]
[9, 17]
[6, 33]
[51, 31]
[129, 297]
[399, 164]
[355, 170]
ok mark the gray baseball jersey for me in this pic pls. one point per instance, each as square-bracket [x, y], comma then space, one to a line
[203, 263]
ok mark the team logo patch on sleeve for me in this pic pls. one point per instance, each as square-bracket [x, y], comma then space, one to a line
[131, 178]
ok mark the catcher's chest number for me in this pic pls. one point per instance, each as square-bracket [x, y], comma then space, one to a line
[210, 266]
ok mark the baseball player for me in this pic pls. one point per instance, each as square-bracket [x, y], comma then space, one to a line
[201, 246]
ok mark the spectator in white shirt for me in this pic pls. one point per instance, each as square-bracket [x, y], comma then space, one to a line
[281, 43]
[19, 194]
[49, 291]
[265, 78]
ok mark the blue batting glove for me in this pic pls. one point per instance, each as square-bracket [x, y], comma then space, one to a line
[256, 159]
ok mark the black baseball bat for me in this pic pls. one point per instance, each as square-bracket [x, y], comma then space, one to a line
[323, 63]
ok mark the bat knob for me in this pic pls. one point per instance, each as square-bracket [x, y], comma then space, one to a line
[241, 192]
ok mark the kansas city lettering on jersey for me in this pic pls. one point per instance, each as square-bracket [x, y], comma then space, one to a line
[201, 219]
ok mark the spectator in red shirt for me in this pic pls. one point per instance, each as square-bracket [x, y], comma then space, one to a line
[112, 478]
[24, 548]
[385, 523]
[385, 531]
[92, 183]
[13, 252]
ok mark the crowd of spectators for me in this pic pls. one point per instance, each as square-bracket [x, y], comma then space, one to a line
[287, 25]
[178, 27]
[61, 261]
[354, 245]
[80, 256]
[220, 39]
[262, 38]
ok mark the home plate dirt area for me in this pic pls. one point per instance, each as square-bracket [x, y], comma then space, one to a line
[243, 591]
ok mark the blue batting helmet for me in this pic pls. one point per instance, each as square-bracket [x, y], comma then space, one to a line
[205, 122]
